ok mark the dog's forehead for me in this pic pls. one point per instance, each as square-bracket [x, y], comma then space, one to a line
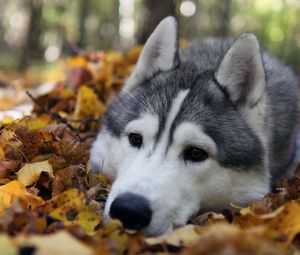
[156, 96]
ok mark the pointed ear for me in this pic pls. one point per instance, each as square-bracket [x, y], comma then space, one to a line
[241, 71]
[160, 53]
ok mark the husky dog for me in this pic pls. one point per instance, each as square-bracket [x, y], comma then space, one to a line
[195, 129]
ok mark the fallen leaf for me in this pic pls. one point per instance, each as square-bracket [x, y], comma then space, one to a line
[70, 177]
[70, 207]
[31, 141]
[9, 193]
[19, 217]
[14, 190]
[2, 155]
[30, 173]
[7, 166]
[111, 238]
[79, 76]
[7, 245]
[77, 61]
[60, 243]
[183, 236]
[281, 226]
[72, 152]
[35, 123]
[87, 104]
[225, 239]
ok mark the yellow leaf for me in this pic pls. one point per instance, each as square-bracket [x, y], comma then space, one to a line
[221, 238]
[87, 104]
[110, 227]
[59, 243]
[14, 190]
[286, 224]
[6, 120]
[70, 208]
[67, 92]
[7, 246]
[113, 231]
[281, 226]
[184, 236]
[30, 173]
[35, 123]
[77, 61]
[2, 154]
[7, 134]
[9, 193]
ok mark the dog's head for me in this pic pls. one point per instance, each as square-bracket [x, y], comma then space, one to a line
[178, 140]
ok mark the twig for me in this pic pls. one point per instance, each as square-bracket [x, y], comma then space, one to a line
[65, 121]
[85, 122]
[53, 115]
[84, 138]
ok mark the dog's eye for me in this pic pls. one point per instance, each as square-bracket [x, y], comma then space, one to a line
[194, 154]
[136, 140]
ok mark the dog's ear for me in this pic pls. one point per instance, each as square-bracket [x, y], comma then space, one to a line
[160, 53]
[241, 71]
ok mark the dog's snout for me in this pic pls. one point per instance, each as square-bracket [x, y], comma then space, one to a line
[132, 210]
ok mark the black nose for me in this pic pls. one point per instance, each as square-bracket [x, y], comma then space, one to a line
[132, 210]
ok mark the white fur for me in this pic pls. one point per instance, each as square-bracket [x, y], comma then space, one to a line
[158, 53]
[175, 189]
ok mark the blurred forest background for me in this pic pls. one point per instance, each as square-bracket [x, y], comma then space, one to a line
[40, 31]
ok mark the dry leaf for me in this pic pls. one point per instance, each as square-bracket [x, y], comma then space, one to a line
[225, 239]
[2, 155]
[87, 104]
[9, 193]
[72, 152]
[71, 209]
[281, 226]
[7, 245]
[30, 173]
[13, 190]
[67, 178]
[60, 243]
[7, 166]
[183, 236]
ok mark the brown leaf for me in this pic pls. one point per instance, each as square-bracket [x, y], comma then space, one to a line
[7, 167]
[70, 207]
[60, 243]
[70, 177]
[31, 141]
[225, 239]
[30, 173]
[74, 153]
[79, 76]
[281, 225]
[288, 190]
[87, 104]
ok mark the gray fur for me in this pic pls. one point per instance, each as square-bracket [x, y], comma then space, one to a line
[208, 104]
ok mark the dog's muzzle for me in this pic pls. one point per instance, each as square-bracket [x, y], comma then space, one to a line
[132, 210]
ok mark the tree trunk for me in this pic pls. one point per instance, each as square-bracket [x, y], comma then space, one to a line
[153, 11]
[83, 13]
[32, 48]
[223, 14]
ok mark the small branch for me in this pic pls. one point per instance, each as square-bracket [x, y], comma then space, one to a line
[84, 138]
[60, 119]
[54, 116]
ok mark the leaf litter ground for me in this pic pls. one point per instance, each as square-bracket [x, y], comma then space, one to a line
[51, 202]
